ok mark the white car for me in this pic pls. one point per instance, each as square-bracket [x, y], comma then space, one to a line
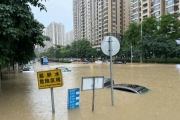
[64, 69]
[28, 68]
[98, 61]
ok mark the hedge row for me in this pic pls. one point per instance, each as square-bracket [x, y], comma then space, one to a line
[154, 60]
[65, 61]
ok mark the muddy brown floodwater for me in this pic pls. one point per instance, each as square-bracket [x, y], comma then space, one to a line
[20, 98]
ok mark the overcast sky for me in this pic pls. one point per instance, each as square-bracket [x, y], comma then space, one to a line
[60, 11]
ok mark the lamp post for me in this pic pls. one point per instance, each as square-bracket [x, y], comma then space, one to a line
[141, 30]
[141, 39]
[131, 52]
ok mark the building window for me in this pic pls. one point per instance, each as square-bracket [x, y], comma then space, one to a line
[157, 13]
[135, 5]
[156, 1]
[105, 5]
[135, 10]
[169, 2]
[136, 20]
[170, 9]
[157, 7]
[135, 16]
[134, 1]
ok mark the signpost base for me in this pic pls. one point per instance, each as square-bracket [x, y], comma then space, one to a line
[93, 94]
[52, 100]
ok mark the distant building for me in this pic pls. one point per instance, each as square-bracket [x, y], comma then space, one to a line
[56, 32]
[69, 38]
[39, 49]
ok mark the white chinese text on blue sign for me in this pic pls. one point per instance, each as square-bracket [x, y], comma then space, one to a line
[73, 98]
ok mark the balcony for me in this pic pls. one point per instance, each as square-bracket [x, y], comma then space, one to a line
[152, 10]
[145, 6]
[145, 11]
[152, 3]
[176, 1]
[144, 1]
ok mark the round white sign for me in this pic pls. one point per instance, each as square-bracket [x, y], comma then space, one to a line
[105, 45]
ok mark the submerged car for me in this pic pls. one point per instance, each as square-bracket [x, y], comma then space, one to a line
[119, 62]
[107, 82]
[98, 61]
[131, 88]
[63, 69]
[28, 68]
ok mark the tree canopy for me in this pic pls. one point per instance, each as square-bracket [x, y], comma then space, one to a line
[158, 38]
[78, 49]
[19, 31]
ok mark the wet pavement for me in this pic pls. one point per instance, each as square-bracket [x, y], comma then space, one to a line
[20, 98]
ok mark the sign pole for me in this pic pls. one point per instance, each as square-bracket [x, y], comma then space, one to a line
[0, 79]
[52, 100]
[110, 54]
[93, 94]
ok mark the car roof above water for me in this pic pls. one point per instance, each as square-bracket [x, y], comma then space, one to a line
[131, 88]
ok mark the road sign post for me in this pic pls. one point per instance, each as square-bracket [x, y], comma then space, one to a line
[110, 46]
[92, 83]
[50, 79]
[93, 94]
[52, 100]
[110, 54]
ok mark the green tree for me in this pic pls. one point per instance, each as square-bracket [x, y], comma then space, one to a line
[147, 45]
[65, 52]
[81, 48]
[164, 46]
[132, 34]
[152, 30]
[57, 51]
[169, 25]
[19, 31]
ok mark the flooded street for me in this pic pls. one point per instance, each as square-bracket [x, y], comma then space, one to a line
[21, 99]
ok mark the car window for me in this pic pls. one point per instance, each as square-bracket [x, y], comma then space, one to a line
[66, 70]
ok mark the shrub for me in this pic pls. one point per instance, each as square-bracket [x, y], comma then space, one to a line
[65, 61]
[153, 60]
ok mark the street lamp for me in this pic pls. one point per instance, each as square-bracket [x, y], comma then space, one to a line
[131, 52]
[141, 29]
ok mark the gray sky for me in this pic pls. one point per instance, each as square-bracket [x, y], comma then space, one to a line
[60, 11]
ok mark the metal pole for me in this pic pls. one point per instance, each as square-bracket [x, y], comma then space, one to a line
[110, 54]
[0, 79]
[131, 52]
[93, 94]
[52, 100]
[141, 31]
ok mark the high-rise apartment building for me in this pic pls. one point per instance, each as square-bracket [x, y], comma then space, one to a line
[56, 32]
[39, 49]
[69, 38]
[141, 9]
[94, 19]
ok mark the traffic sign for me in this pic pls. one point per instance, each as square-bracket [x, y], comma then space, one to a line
[105, 45]
[110, 46]
[50, 79]
[92, 83]
[73, 98]
[87, 83]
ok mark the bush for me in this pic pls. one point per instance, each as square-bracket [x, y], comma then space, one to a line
[153, 60]
[65, 61]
